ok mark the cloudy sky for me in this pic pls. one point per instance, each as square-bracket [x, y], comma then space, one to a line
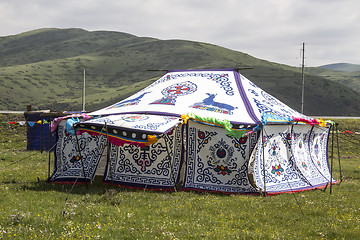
[266, 29]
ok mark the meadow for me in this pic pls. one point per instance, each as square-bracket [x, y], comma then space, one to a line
[31, 208]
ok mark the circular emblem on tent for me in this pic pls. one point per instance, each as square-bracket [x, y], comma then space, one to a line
[180, 89]
[176, 90]
[135, 118]
[243, 140]
[201, 134]
[270, 99]
[221, 153]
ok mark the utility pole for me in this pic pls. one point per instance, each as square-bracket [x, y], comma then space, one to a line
[303, 78]
[83, 93]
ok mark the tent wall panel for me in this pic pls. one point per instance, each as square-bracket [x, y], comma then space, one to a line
[148, 167]
[68, 165]
[319, 150]
[281, 173]
[287, 152]
[216, 161]
[301, 136]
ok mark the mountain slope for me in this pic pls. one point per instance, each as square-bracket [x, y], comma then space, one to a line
[343, 67]
[50, 44]
[44, 68]
[346, 78]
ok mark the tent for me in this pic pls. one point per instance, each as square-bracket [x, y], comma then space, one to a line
[203, 130]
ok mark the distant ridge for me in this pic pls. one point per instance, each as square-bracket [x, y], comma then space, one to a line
[343, 67]
[44, 68]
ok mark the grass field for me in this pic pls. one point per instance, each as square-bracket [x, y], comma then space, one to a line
[30, 208]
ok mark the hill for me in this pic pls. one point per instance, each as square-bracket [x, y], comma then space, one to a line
[44, 68]
[343, 67]
[350, 79]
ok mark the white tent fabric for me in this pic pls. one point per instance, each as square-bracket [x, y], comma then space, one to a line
[156, 166]
[219, 94]
[295, 158]
[217, 162]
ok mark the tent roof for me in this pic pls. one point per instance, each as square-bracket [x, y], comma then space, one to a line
[222, 94]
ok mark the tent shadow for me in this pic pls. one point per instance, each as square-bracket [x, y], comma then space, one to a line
[97, 187]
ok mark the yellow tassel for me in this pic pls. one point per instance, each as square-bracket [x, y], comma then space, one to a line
[151, 140]
[185, 117]
[321, 122]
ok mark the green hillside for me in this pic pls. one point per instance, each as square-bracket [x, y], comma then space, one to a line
[343, 67]
[44, 68]
[350, 79]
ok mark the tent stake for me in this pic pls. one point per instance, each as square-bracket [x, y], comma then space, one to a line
[82, 163]
[263, 153]
[338, 148]
[171, 167]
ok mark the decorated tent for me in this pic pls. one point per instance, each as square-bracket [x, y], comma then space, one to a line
[204, 130]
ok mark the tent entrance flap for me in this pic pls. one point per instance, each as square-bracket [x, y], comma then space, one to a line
[136, 129]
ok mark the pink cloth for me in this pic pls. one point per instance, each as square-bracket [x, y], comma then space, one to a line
[57, 121]
[310, 121]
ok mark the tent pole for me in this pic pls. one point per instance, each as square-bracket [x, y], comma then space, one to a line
[338, 148]
[263, 153]
[332, 157]
[49, 149]
[42, 136]
[171, 167]
[108, 152]
[82, 163]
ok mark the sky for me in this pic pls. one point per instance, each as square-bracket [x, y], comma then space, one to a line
[266, 29]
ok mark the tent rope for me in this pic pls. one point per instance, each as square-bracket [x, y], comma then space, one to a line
[338, 152]
[287, 180]
[22, 159]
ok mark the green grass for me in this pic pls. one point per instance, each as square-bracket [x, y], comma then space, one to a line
[30, 208]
